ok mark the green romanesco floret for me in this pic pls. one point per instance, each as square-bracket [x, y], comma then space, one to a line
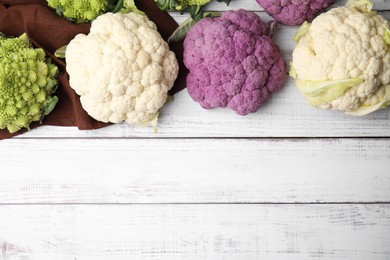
[184, 4]
[27, 81]
[81, 11]
[194, 7]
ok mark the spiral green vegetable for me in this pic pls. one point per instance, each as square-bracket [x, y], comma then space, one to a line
[27, 81]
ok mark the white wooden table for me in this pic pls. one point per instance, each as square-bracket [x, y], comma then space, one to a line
[289, 182]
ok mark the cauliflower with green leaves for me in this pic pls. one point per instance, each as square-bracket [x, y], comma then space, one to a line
[27, 81]
[342, 60]
[81, 11]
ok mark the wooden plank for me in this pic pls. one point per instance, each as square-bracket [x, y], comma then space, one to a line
[253, 6]
[287, 114]
[204, 232]
[194, 171]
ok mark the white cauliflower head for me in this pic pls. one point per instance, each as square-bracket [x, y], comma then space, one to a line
[122, 70]
[342, 60]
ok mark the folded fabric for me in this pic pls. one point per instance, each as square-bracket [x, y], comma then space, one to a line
[48, 31]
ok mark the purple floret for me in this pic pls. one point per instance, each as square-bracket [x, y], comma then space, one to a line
[232, 62]
[294, 12]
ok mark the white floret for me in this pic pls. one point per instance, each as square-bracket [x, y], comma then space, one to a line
[122, 69]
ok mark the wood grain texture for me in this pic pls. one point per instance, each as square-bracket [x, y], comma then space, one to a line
[337, 190]
[196, 232]
[194, 171]
[286, 114]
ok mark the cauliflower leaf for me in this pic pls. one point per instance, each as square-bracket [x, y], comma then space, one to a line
[319, 92]
[301, 31]
[365, 110]
[364, 6]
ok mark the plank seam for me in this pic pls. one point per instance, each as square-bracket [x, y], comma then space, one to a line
[211, 138]
[199, 203]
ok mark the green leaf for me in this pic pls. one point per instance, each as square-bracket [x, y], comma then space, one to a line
[49, 106]
[302, 31]
[153, 122]
[181, 32]
[315, 88]
[51, 85]
[387, 37]
[60, 53]
[167, 5]
[195, 12]
[319, 92]
[330, 90]
[170, 99]
[194, 7]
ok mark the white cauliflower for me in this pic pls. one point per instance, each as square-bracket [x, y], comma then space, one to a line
[122, 70]
[342, 60]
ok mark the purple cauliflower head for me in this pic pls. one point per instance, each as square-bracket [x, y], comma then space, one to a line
[294, 12]
[233, 62]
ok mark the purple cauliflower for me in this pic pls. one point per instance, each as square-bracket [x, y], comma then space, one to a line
[233, 62]
[294, 12]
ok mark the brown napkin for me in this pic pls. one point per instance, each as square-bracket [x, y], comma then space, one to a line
[48, 31]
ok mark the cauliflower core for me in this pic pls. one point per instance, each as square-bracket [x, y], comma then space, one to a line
[294, 12]
[232, 62]
[342, 62]
[122, 70]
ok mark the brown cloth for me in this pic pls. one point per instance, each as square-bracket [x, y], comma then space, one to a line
[48, 31]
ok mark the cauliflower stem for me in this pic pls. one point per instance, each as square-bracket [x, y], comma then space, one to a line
[153, 122]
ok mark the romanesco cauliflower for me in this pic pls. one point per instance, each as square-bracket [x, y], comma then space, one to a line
[184, 4]
[81, 11]
[27, 80]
